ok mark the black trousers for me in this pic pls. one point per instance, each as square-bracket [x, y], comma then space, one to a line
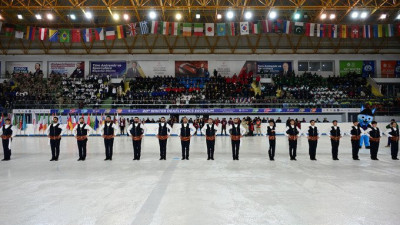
[292, 149]
[163, 148]
[210, 149]
[55, 148]
[82, 148]
[6, 150]
[374, 146]
[122, 129]
[137, 149]
[355, 147]
[394, 148]
[335, 148]
[223, 130]
[271, 150]
[185, 149]
[108, 143]
[235, 149]
[312, 148]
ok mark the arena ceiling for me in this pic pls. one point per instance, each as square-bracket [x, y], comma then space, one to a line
[208, 9]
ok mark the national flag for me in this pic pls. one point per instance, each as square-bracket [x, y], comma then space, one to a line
[34, 120]
[164, 30]
[99, 34]
[334, 29]
[76, 35]
[110, 33]
[65, 35]
[88, 119]
[40, 119]
[144, 28]
[176, 28]
[320, 30]
[96, 124]
[60, 119]
[328, 30]
[187, 29]
[132, 29]
[53, 35]
[210, 29]
[9, 30]
[343, 31]
[375, 30]
[154, 27]
[24, 125]
[2, 120]
[310, 29]
[367, 31]
[299, 28]
[69, 123]
[91, 121]
[120, 32]
[255, 27]
[287, 27]
[221, 29]
[74, 122]
[42, 34]
[14, 120]
[87, 35]
[389, 30]
[20, 122]
[19, 34]
[355, 33]
[198, 29]
[231, 29]
[380, 30]
[30, 33]
[244, 28]
[278, 25]
[398, 29]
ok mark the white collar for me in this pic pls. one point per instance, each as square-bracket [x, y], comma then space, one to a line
[394, 128]
[292, 126]
[162, 124]
[271, 126]
[7, 126]
[136, 124]
[312, 126]
[185, 124]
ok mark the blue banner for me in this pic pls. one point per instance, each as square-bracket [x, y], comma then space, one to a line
[368, 68]
[273, 67]
[185, 111]
[114, 69]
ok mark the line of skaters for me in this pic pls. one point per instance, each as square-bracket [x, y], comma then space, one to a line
[109, 130]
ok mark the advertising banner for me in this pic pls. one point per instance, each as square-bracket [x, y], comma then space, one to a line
[274, 67]
[69, 69]
[115, 69]
[191, 68]
[390, 68]
[364, 68]
[24, 67]
[150, 69]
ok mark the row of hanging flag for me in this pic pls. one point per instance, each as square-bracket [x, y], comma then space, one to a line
[203, 29]
[43, 121]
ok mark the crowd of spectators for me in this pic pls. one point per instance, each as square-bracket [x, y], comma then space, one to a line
[305, 90]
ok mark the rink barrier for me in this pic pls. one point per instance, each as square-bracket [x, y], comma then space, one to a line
[152, 129]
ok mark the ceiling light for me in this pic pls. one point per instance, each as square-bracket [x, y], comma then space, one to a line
[229, 15]
[332, 16]
[248, 15]
[126, 16]
[38, 16]
[115, 16]
[152, 15]
[72, 16]
[323, 16]
[363, 15]
[354, 15]
[219, 16]
[296, 16]
[20, 16]
[88, 15]
[178, 16]
[273, 14]
[383, 16]
[49, 16]
[398, 17]
[197, 16]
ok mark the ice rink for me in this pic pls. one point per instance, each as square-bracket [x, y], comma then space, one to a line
[252, 190]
